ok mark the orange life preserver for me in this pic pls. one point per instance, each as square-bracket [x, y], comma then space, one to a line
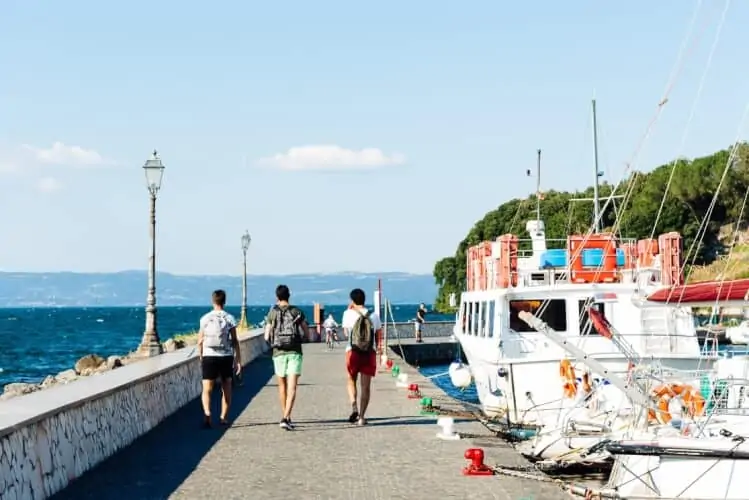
[567, 372]
[694, 403]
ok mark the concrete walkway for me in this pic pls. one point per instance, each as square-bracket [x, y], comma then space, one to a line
[396, 457]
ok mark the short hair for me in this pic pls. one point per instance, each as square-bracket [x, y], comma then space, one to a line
[283, 293]
[358, 297]
[218, 297]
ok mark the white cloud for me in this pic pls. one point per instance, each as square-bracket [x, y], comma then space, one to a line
[331, 157]
[48, 185]
[62, 154]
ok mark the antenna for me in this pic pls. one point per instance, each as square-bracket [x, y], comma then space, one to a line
[538, 184]
[596, 206]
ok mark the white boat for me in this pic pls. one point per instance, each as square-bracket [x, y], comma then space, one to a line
[516, 368]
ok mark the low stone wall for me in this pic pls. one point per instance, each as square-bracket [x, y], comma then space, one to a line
[51, 437]
[428, 330]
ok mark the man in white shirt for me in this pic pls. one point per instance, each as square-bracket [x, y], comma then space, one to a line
[361, 357]
[330, 325]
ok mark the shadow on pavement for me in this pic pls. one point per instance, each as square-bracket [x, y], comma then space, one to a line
[156, 464]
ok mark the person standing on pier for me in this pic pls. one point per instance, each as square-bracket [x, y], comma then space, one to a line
[361, 328]
[218, 349]
[419, 323]
[283, 330]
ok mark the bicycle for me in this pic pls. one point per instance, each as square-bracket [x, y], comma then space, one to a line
[331, 340]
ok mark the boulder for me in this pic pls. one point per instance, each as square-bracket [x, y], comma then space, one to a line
[19, 388]
[113, 362]
[66, 376]
[91, 361]
[170, 345]
[48, 381]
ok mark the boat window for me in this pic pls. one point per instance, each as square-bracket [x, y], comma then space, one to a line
[474, 317]
[490, 318]
[462, 315]
[582, 314]
[553, 312]
[480, 319]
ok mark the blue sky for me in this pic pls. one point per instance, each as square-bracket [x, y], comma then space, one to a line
[453, 98]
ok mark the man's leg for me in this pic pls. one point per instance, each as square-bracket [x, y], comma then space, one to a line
[368, 370]
[353, 372]
[208, 368]
[293, 372]
[279, 366]
[227, 383]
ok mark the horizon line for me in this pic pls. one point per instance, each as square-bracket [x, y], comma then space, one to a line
[187, 275]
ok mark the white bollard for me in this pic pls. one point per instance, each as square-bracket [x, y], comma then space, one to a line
[447, 425]
[402, 380]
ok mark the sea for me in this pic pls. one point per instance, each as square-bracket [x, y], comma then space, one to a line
[37, 342]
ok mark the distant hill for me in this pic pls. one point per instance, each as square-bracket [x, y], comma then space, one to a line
[128, 288]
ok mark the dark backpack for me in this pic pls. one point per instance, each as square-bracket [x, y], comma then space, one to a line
[286, 327]
[362, 333]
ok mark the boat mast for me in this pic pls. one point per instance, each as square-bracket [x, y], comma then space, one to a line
[596, 208]
[538, 186]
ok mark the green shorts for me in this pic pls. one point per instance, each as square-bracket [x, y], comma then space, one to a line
[286, 364]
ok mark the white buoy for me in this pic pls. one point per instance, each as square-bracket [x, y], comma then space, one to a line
[493, 406]
[460, 375]
[402, 380]
[447, 424]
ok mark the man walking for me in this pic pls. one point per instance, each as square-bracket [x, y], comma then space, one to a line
[419, 324]
[218, 349]
[361, 328]
[283, 330]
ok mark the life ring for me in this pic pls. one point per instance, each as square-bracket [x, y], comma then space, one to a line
[567, 372]
[693, 401]
[599, 323]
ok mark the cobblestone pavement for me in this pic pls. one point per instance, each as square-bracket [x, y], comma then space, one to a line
[397, 456]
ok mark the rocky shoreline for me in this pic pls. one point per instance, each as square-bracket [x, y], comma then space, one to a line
[91, 365]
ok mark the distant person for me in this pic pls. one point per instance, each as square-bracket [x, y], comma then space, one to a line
[218, 349]
[419, 323]
[361, 327]
[330, 326]
[283, 330]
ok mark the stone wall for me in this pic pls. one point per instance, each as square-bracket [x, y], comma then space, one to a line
[430, 329]
[51, 437]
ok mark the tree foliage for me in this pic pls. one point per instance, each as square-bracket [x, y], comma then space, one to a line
[693, 184]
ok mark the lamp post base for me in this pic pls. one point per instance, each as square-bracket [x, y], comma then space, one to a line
[150, 346]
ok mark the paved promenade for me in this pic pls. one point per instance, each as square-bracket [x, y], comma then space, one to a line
[397, 456]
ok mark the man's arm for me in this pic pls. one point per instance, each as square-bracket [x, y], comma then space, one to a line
[268, 326]
[235, 346]
[305, 327]
[200, 343]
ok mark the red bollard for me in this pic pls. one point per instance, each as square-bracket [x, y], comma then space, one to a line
[389, 363]
[477, 467]
[413, 391]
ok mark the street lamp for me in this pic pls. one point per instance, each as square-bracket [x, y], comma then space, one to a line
[245, 246]
[150, 345]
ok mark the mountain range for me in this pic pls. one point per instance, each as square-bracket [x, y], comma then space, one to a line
[129, 288]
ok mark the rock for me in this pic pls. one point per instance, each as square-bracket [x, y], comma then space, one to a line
[66, 376]
[113, 362]
[91, 361]
[19, 388]
[88, 371]
[170, 345]
[50, 380]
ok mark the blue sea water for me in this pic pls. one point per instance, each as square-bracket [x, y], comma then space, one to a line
[37, 342]
[438, 375]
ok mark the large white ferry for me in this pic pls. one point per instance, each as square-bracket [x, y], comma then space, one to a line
[636, 286]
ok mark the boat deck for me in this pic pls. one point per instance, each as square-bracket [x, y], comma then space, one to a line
[397, 456]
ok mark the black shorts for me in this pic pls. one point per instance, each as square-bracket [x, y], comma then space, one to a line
[217, 367]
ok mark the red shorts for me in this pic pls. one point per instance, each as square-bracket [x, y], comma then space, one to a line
[359, 362]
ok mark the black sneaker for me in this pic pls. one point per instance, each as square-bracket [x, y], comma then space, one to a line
[353, 417]
[290, 424]
[206, 422]
[284, 424]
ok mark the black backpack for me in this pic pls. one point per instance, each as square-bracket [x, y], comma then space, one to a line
[285, 327]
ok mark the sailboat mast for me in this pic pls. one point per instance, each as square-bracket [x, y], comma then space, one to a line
[538, 186]
[596, 207]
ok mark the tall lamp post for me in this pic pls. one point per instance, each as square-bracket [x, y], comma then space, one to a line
[150, 345]
[245, 246]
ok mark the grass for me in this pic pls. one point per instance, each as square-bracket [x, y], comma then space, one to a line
[724, 268]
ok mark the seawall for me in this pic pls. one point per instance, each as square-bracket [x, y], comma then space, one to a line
[51, 437]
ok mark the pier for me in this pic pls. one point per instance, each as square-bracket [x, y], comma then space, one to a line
[396, 456]
[121, 443]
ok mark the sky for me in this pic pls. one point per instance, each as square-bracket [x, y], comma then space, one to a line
[345, 136]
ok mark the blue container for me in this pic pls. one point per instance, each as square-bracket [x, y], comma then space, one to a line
[593, 257]
[554, 258]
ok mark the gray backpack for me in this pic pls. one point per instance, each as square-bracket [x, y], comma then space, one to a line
[216, 332]
[362, 333]
[286, 327]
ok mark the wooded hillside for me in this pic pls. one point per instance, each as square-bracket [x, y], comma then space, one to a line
[687, 202]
